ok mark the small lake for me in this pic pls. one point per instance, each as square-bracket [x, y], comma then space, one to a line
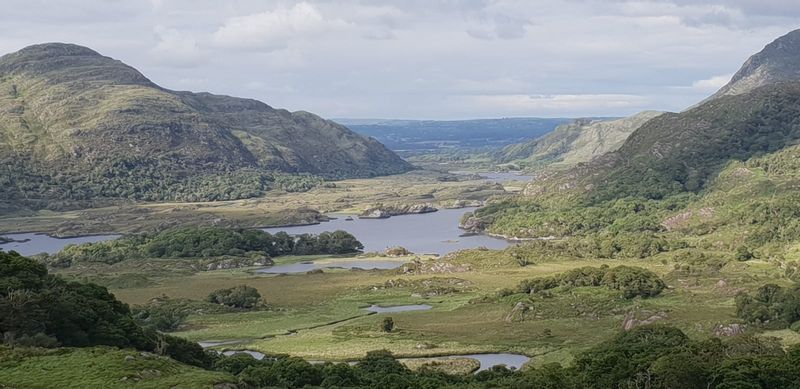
[427, 233]
[35, 243]
[303, 267]
[398, 308]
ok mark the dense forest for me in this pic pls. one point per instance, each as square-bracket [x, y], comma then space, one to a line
[206, 242]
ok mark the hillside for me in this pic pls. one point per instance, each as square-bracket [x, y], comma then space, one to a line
[576, 142]
[723, 171]
[778, 62]
[75, 125]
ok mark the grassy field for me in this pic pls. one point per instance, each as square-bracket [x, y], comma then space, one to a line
[321, 316]
[276, 208]
[99, 367]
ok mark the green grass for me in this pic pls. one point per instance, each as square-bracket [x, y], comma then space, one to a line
[324, 311]
[99, 367]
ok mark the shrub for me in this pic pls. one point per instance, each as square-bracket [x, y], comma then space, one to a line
[242, 296]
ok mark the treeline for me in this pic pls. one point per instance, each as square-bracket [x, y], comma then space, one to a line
[38, 309]
[771, 307]
[205, 242]
[631, 281]
[39, 187]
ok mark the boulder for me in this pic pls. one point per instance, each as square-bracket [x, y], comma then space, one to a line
[729, 329]
[517, 313]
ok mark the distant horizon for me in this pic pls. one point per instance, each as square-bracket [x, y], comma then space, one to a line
[422, 59]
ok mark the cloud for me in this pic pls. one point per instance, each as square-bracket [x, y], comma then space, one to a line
[711, 84]
[522, 104]
[499, 27]
[272, 30]
[176, 48]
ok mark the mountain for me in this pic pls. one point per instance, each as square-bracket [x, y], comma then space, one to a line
[411, 135]
[78, 125]
[725, 166]
[576, 142]
[778, 62]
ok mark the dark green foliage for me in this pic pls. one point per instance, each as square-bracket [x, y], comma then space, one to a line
[387, 325]
[33, 302]
[657, 357]
[631, 281]
[242, 296]
[771, 306]
[205, 242]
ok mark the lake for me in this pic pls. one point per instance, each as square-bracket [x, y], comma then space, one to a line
[41, 243]
[398, 308]
[427, 233]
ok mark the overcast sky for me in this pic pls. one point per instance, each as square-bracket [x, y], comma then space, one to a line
[422, 58]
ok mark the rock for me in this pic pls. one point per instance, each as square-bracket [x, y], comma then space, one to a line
[517, 313]
[630, 321]
[129, 358]
[424, 346]
[397, 251]
[375, 214]
[729, 329]
[315, 271]
[721, 284]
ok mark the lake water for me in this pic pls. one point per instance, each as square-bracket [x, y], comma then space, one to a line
[398, 308]
[427, 233]
[303, 267]
[41, 243]
[490, 360]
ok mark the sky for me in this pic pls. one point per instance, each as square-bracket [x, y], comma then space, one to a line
[422, 59]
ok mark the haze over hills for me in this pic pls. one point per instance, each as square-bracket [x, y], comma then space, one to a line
[437, 134]
[575, 142]
[77, 125]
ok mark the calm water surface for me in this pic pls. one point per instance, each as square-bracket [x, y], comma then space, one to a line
[398, 308]
[428, 233]
[41, 243]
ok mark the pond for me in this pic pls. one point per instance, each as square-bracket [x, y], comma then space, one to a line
[35, 243]
[303, 267]
[427, 233]
[398, 308]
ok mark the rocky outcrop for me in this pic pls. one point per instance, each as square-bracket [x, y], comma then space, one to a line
[457, 204]
[729, 329]
[517, 313]
[382, 211]
[432, 267]
[631, 321]
[397, 251]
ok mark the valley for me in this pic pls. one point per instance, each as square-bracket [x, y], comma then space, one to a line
[181, 239]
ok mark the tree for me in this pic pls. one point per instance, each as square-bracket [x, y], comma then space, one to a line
[387, 325]
[242, 296]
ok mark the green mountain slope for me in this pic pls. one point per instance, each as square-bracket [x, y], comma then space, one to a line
[77, 125]
[722, 175]
[576, 142]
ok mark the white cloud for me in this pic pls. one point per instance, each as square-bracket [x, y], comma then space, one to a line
[521, 104]
[711, 84]
[271, 30]
[176, 48]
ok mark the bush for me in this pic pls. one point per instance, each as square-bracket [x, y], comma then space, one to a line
[242, 296]
[387, 325]
[631, 281]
